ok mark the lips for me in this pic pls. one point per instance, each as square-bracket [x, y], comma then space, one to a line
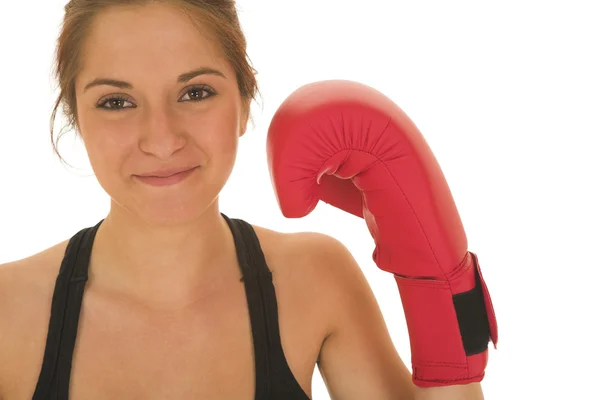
[168, 180]
[165, 173]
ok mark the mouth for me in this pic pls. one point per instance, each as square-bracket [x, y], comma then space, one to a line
[167, 180]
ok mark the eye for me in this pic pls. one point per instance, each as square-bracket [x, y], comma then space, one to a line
[115, 102]
[199, 90]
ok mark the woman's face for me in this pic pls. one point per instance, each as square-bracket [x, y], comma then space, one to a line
[156, 115]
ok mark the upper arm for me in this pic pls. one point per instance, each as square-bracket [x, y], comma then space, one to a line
[358, 359]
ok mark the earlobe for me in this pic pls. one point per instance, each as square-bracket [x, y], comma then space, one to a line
[244, 125]
[243, 129]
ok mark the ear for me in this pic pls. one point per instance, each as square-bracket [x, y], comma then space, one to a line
[244, 123]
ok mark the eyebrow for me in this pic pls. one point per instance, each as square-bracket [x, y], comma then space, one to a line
[183, 78]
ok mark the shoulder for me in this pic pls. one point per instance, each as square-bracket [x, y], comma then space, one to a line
[315, 264]
[21, 278]
[311, 246]
[314, 254]
[357, 347]
[25, 280]
[26, 288]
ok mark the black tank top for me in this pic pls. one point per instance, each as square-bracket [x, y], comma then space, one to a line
[274, 379]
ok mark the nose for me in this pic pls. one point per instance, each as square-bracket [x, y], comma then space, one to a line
[161, 134]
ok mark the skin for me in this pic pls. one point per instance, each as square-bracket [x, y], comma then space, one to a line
[165, 258]
[164, 234]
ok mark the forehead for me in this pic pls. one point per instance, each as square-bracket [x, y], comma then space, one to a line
[154, 35]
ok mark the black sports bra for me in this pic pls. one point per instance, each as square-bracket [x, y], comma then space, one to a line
[274, 379]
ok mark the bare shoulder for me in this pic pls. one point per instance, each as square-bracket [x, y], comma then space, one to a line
[26, 288]
[357, 359]
[19, 279]
[315, 266]
[310, 254]
[22, 280]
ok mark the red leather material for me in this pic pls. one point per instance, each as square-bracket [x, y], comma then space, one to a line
[350, 146]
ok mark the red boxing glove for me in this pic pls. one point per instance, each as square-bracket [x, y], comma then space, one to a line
[350, 146]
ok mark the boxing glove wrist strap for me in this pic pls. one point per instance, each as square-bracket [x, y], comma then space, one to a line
[450, 323]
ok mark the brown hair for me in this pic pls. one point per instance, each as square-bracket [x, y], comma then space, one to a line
[218, 18]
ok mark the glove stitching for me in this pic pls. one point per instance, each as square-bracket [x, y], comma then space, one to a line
[441, 285]
[464, 377]
[439, 364]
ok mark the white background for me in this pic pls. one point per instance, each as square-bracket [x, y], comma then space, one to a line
[507, 95]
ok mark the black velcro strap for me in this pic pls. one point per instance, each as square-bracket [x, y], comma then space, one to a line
[472, 318]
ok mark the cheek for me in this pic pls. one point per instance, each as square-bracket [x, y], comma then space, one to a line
[107, 146]
[221, 133]
[114, 134]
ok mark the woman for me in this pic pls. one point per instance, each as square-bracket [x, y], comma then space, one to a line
[180, 300]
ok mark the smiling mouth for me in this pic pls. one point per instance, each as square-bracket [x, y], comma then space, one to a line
[167, 180]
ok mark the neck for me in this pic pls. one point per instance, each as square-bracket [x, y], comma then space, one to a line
[170, 265]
